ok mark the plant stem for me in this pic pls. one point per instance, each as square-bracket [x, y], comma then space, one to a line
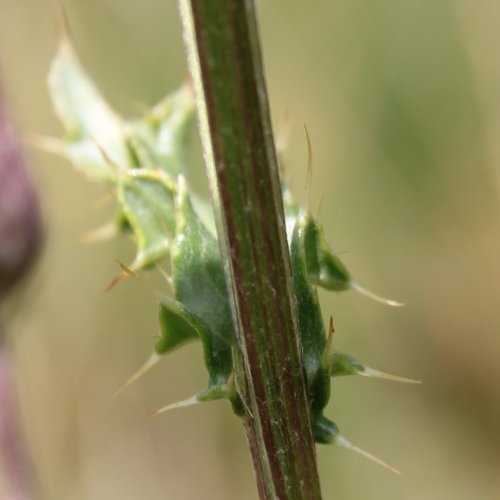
[225, 61]
[14, 455]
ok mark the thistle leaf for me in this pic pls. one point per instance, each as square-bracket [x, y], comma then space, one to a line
[160, 138]
[200, 286]
[177, 327]
[147, 201]
[197, 269]
[312, 331]
[143, 161]
[343, 364]
[324, 268]
[170, 122]
[86, 117]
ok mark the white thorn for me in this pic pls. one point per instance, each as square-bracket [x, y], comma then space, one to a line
[344, 443]
[104, 155]
[165, 275]
[180, 404]
[370, 372]
[102, 233]
[152, 360]
[48, 144]
[283, 135]
[240, 394]
[309, 167]
[374, 296]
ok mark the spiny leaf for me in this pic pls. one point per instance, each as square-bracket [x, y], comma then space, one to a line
[311, 328]
[197, 269]
[324, 268]
[177, 327]
[170, 121]
[147, 201]
[343, 364]
[160, 138]
[86, 117]
[144, 160]
[337, 364]
[200, 286]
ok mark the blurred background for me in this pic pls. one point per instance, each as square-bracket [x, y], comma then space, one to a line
[402, 102]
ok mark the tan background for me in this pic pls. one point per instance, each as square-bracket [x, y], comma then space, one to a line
[402, 101]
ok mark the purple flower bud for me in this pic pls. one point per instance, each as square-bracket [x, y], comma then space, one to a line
[20, 225]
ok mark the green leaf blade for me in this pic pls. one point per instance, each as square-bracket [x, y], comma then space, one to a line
[147, 201]
[88, 120]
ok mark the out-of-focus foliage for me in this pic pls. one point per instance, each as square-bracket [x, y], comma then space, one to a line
[401, 101]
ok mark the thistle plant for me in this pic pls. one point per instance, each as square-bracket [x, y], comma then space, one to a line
[143, 162]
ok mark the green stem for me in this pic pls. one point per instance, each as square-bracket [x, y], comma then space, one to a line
[225, 61]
